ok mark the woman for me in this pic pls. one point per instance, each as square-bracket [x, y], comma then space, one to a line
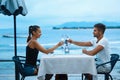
[33, 48]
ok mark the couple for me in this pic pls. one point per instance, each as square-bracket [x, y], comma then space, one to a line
[100, 43]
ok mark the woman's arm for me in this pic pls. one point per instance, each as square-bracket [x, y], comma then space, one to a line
[46, 51]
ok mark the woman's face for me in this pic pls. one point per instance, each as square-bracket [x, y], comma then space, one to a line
[38, 33]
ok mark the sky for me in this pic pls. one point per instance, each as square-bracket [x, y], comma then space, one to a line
[56, 12]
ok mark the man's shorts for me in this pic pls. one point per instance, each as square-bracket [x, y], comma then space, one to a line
[103, 69]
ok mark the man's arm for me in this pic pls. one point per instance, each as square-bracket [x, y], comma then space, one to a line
[94, 51]
[80, 43]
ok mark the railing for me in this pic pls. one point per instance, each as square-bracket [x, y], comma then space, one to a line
[6, 60]
[7, 69]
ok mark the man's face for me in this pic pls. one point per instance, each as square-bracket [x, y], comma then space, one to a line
[96, 32]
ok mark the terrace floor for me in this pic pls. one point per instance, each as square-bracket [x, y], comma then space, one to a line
[115, 74]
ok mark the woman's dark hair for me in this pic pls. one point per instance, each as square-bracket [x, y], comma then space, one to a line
[31, 29]
[100, 27]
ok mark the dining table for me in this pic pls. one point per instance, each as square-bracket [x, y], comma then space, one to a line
[66, 64]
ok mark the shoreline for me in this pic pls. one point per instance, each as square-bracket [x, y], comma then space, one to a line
[72, 28]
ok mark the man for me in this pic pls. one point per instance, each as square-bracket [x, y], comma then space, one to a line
[101, 48]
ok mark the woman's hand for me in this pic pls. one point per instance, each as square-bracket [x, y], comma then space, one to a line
[60, 43]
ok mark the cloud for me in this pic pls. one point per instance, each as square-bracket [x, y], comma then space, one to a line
[73, 7]
[52, 12]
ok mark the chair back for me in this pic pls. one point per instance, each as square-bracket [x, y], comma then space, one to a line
[19, 65]
[114, 59]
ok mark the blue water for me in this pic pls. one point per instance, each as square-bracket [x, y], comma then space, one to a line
[49, 38]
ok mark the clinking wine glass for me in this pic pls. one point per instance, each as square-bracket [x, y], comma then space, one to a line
[66, 45]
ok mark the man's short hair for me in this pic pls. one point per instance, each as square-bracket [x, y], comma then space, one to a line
[100, 27]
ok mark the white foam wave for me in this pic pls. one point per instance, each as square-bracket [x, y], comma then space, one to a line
[18, 44]
[50, 44]
[12, 36]
[114, 42]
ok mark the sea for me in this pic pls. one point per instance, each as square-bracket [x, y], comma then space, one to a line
[49, 38]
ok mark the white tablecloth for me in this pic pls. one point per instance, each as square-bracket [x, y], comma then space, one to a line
[66, 64]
